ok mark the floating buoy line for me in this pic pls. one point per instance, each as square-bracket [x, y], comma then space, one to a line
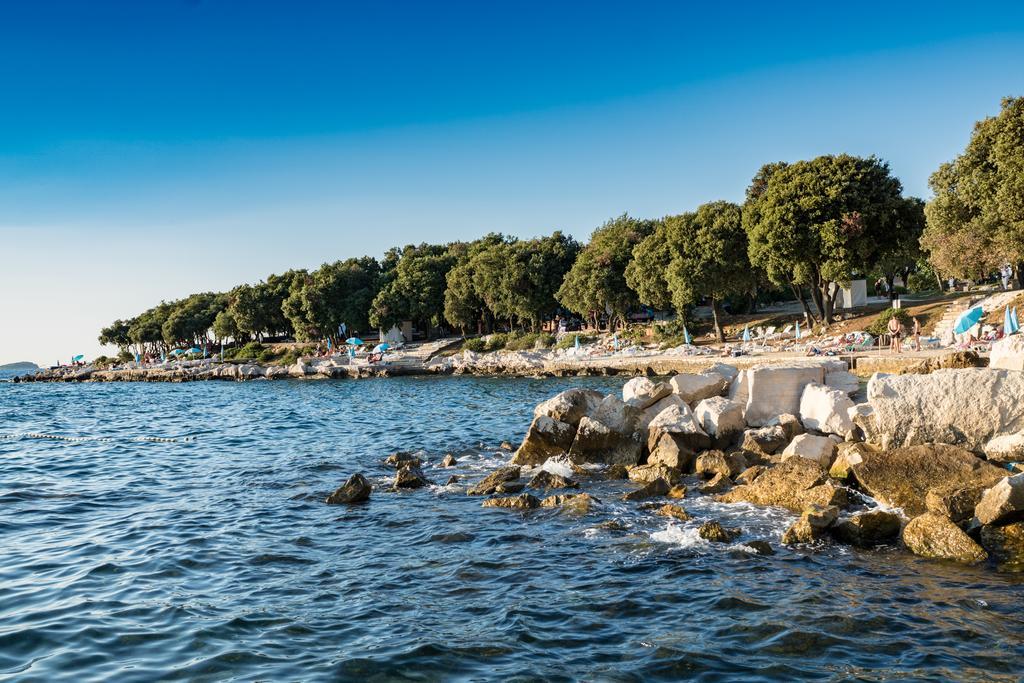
[97, 439]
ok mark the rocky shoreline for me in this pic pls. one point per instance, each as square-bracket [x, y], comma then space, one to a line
[930, 463]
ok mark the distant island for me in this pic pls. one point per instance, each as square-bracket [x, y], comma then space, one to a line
[23, 366]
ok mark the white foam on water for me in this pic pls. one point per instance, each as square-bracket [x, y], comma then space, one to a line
[682, 536]
[560, 465]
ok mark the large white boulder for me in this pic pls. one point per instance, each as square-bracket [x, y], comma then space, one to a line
[571, 405]
[826, 410]
[843, 380]
[617, 415]
[773, 390]
[696, 387]
[967, 407]
[721, 419]
[820, 449]
[727, 371]
[738, 389]
[1008, 353]
[640, 392]
[659, 407]
[1006, 448]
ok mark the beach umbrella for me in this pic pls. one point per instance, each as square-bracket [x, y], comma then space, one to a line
[75, 359]
[1013, 316]
[354, 341]
[615, 341]
[968, 319]
[686, 336]
[328, 343]
[796, 335]
[577, 344]
[1007, 321]
[746, 332]
[195, 349]
[380, 348]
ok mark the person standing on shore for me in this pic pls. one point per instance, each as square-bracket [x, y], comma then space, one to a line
[895, 329]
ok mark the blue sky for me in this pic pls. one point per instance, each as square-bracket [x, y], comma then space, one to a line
[149, 150]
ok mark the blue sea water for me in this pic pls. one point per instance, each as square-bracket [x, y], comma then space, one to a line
[213, 557]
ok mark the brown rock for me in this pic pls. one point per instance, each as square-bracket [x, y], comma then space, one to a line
[793, 484]
[956, 504]
[410, 477]
[716, 533]
[616, 471]
[868, 528]
[546, 438]
[454, 479]
[748, 475]
[677, 491]
[523, 501]
[596, 442]
[575, 503]
[791, 425]
[509, 487]
[671, 451]
[489, 484]
[716, 484]
[1005, 544]
[711, 463]
[658, 487]
[355, 490]
[648, 473]
[936, 536]
[401, 458]
[449, 461]
[570, 406]
[675, 511]
[546, 480]
[902, 477]
[812, 524]
[760, 547]
[847, 455]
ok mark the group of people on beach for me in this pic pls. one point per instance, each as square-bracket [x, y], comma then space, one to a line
[897, 331]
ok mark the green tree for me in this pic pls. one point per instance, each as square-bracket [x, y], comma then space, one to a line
[225, 326]
[334, 293]
[709, 258]
[464, 306]
[414, 288]
[596, 282]
[822, 221]
[899, 255]
[975, 222]
[117, 334]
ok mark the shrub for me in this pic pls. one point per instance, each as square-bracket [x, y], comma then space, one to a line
[569, 340]
[476, 345]
[881, 323]
[125, 357]
[103, 362]
[496, 341]
[251, 351]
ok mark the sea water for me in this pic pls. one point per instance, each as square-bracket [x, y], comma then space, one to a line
[178, 532]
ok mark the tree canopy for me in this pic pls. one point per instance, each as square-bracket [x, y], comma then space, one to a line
[975, 222]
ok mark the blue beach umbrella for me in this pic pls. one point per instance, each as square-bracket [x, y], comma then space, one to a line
[686, 336]
[177, 352]
[380, 348]
[1007, 321]
[354, 341]
[746, 333]
[615, 341]
[577, 344]
[75, 359]
[195, 349]
[797, 333]
[328, 343]
[968, 319]
[1013, 317]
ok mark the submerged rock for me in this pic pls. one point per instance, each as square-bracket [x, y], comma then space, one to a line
[1002, 503]
[903, 477]
[658, 487]
[575, 503]
[812, 525]
[523, 501]
[616, 471]
[793, 484]
[1005, 544]
[546, 480]
[355, 490]
[490, 483]
[449, 461]
[410, 477]
[760, 547]
[677, 491]
[402, 458]
[868, 528]
[674, 511]
[716, 533]
[935, 536]
[454, 479]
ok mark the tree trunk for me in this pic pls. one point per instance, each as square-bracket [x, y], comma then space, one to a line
[718, 326]
[890, 279]
[938, 279]
[816, 298]
[1019, 270]
[798, 291]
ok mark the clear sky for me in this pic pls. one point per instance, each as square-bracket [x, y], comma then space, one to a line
[153, 149]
